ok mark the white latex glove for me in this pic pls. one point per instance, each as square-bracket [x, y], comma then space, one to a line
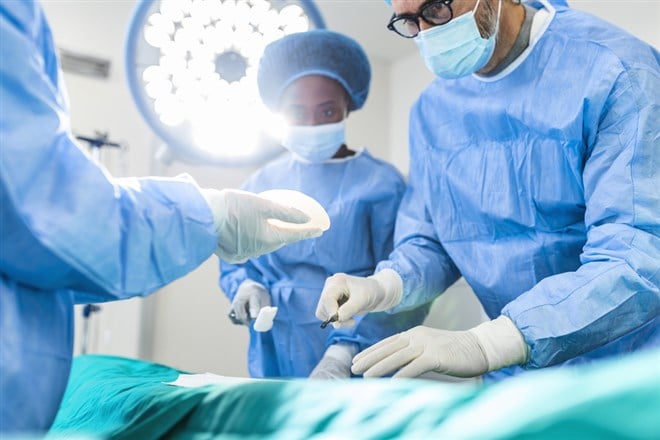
[241, 222]
[249, 299]
[335, 363]
[489, 346]
[376, 293]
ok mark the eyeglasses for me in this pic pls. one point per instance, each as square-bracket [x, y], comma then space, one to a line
[434, 12]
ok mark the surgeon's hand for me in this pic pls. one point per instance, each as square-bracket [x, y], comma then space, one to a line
[489, 346]
[376, 293]
[335, 363]
[423, 349]
[249, 299]
[241, 222]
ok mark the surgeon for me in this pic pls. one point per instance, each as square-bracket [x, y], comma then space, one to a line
[315, 80]
[70, 233]
[535, 174]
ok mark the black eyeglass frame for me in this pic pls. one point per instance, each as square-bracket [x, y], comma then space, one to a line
[415, 17]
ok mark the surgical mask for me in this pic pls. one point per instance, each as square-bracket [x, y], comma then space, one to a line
[314, 143]
[457, 49]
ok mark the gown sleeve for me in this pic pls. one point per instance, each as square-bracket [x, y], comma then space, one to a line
[616, 289]
[66, 223]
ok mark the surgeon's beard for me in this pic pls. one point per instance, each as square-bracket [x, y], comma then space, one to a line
[486, 17]
[487, 20]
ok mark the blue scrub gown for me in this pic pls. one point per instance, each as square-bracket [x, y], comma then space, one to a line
[541, 186]
[361, 195]
[69, 232]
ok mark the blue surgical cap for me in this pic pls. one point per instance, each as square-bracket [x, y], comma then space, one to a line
[316, 52]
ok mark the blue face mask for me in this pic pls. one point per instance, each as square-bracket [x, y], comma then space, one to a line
[457, 49]
[314, 143]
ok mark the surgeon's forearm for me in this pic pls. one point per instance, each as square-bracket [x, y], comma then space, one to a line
[570, 314]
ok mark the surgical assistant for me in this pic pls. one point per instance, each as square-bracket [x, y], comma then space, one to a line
[314, 79]
[535, 174]
[72, 233]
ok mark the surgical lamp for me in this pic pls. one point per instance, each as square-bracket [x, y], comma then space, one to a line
[191, 69]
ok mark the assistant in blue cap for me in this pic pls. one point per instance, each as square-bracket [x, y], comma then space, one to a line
[314, 79]
[319, 52]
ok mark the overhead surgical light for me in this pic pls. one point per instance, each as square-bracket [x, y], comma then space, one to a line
[191, 68]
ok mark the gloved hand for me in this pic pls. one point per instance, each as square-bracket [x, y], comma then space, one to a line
[241, 222]
[249, 299]
[489, 346]
[335, 363]
[376, 293]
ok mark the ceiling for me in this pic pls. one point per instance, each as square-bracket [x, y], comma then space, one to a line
[365, 20]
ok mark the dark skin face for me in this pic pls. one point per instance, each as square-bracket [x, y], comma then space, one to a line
[315, 100]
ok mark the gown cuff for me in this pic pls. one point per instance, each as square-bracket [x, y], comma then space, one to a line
[502, 343]
[392, 288]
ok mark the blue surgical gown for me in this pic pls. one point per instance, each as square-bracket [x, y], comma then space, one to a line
[361, 195]
[541, 186]
[69, 232]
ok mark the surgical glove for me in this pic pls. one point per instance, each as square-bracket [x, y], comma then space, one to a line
[335, 363]
[249, 299]
[376, 293]
[241, 223]
[489, 346]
